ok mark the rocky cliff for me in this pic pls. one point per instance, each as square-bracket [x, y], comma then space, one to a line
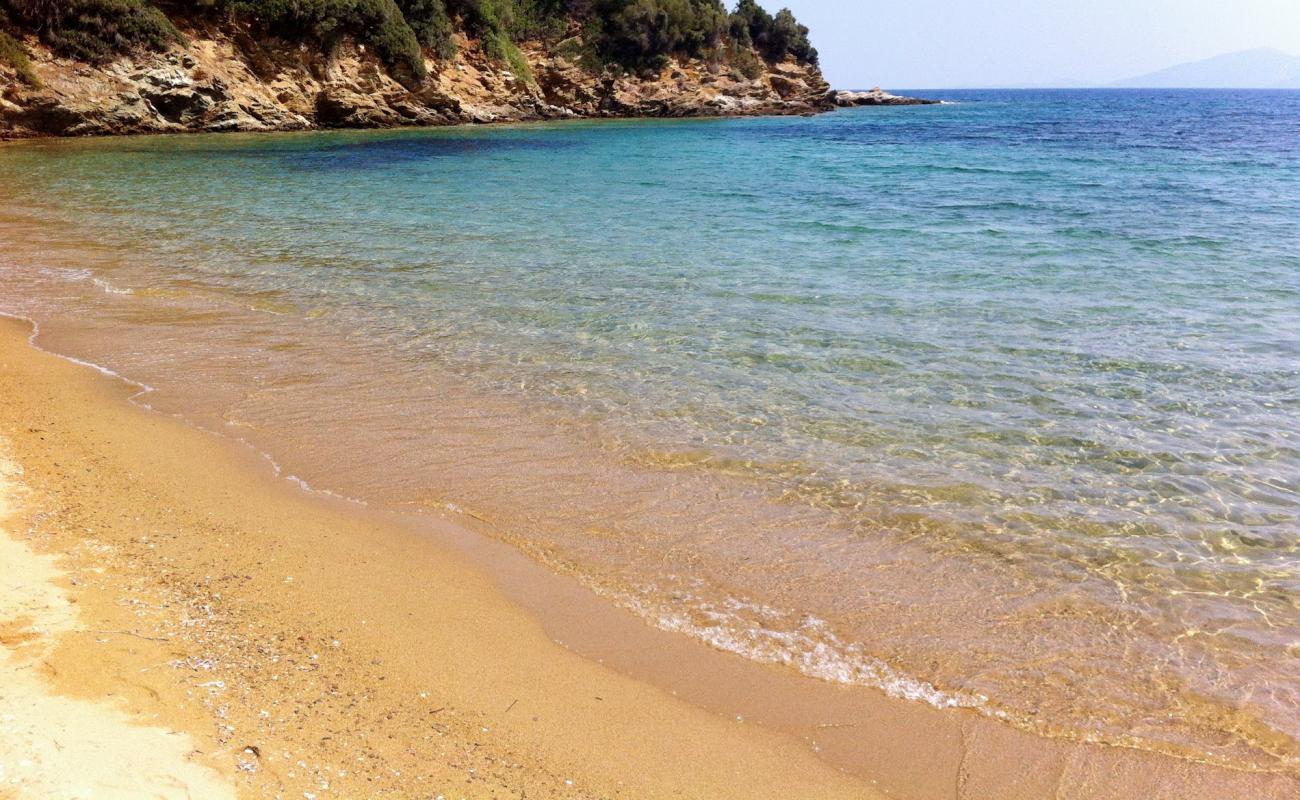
[227, 79]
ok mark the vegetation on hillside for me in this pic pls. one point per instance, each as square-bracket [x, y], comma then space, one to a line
[93, 30]
[14, 56]
[378, 24]
[774, 37]
[631, 34]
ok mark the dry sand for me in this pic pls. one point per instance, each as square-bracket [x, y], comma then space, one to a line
[58, 747]
[177, 623]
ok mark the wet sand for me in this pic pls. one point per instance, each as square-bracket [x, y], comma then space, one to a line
[285, 643]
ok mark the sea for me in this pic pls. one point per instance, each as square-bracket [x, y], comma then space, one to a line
[991, 404]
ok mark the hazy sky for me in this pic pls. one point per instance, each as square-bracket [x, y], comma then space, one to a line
[921, 44]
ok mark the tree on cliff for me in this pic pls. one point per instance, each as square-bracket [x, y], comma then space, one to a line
[639, 32]
[774, 37]
[631, 34]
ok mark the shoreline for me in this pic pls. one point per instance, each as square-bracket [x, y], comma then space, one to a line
[10, 137]
[853, 101]
[275, 596]
[840, 740]
[289, 448]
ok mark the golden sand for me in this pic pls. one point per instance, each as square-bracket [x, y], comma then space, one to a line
[177, 620]
[54, 746]
[308, 653]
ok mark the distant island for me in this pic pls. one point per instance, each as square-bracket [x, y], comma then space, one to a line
[1262, 68]
[93, 67]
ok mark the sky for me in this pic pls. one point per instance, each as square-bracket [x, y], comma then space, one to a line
[948, 44]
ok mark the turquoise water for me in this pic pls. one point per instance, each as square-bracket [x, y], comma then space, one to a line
[994, 403]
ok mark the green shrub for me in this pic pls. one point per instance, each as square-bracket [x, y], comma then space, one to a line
[540, 20]
[35, 12]
[489, 20]
[13, 54]
[788, 37]
[746, 63]
[773, 37]
[498, 46]
[397, 28]
[94, 30]
[632, 34]
[641, 33]
[431, 25]
[375, 23]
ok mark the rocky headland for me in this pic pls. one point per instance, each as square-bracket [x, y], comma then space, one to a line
[232, 74]
[216, 82]
[877, 97]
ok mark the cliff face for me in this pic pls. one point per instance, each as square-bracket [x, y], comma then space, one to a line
[228, 80]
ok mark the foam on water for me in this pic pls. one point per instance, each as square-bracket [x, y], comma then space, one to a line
[110, 288]
[805, 643]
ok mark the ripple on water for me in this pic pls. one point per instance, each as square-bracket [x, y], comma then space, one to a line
[995, 405]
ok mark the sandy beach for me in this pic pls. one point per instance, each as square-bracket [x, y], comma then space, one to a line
[58, 746]
[279, 645]
[179, 623]
[514, 399]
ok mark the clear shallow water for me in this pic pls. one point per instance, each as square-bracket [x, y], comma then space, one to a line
[992, 404]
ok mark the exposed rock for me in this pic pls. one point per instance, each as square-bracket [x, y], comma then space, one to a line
[877, 97]
[220, 82]
[43, 115]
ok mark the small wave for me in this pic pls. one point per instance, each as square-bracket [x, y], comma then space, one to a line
[803, 643]
[78, 275]
[307, 487]
[278, 471]
[145, 389]
[36, 332]
[110, 288]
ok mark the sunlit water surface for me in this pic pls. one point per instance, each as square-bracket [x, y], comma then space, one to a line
[994, 403]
